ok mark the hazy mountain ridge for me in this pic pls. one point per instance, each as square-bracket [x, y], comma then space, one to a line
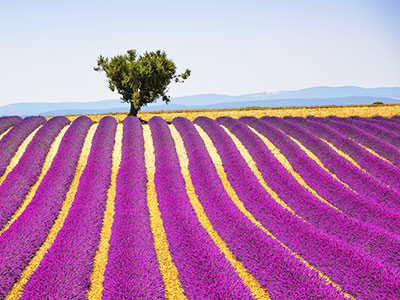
[321, 92]
[305, 97]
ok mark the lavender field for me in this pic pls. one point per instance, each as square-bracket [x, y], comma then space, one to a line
[254, 208]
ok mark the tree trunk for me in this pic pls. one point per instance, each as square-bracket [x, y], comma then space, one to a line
[133, 112]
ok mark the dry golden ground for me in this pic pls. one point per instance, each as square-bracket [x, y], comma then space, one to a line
[384, 110]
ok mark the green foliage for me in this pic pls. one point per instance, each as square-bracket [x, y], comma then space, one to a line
[140, 79]
[378, 103]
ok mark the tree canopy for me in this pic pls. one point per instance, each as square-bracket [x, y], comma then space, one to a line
[140, 79]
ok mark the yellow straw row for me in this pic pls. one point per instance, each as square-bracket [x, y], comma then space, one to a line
[374, 153]
[320, 163]
[169, 273]
[286, 164]
[101, 258]
[253, 166]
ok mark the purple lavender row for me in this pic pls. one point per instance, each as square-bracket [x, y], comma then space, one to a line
[367, 186]
[13, 139]
[381, 147]
[382, 170]
[64, 272]
[375, 129]
[369, 127]
[327, 219]
[277, 270]
[132, 270]
[363, 276]
[7, 122]
[18, 183]
[386, 123]
[348, 201]
[203, 269]
[395, 120]
[19, 243]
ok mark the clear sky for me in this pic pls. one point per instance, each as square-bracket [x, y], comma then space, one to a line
[48, 48]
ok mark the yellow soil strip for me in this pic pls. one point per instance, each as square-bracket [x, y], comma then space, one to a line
[18, 154]
[169, 273]
[343, 154]
[100, 261]
[316, 159]
[16, 291]
[234, 197]
[45, 168]
[286, 164]
[374, 153]
[248, 279]
[253, 166]
[5, 132]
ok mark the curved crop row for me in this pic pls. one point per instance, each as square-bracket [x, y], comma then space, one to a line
[257, 291]
[7, 122]
[378, 145]
[172, 285]
[24, 175]
[277, 270]
[132, 269]
[365, 237]
[386, 123]
[382, 170]
[101, 257]
[299, 235]
[27, 233]
[366, 185]
[375, 129]
[44, 170]
[336, 193]
[203, 270]
[11, 141]
[64, 272]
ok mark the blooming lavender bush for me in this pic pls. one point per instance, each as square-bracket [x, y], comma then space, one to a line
[132, 269]
[64, 272]
[22, 239]
[7, 122]
[13, 139]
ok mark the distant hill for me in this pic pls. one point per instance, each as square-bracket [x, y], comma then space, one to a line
[325, 92]
[305, 97]
[320, 92]
[40, 108]
[306, 102]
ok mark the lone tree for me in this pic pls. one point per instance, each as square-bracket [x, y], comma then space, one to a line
[140, 79]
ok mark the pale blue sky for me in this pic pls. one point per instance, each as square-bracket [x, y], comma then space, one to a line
[48, 48]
